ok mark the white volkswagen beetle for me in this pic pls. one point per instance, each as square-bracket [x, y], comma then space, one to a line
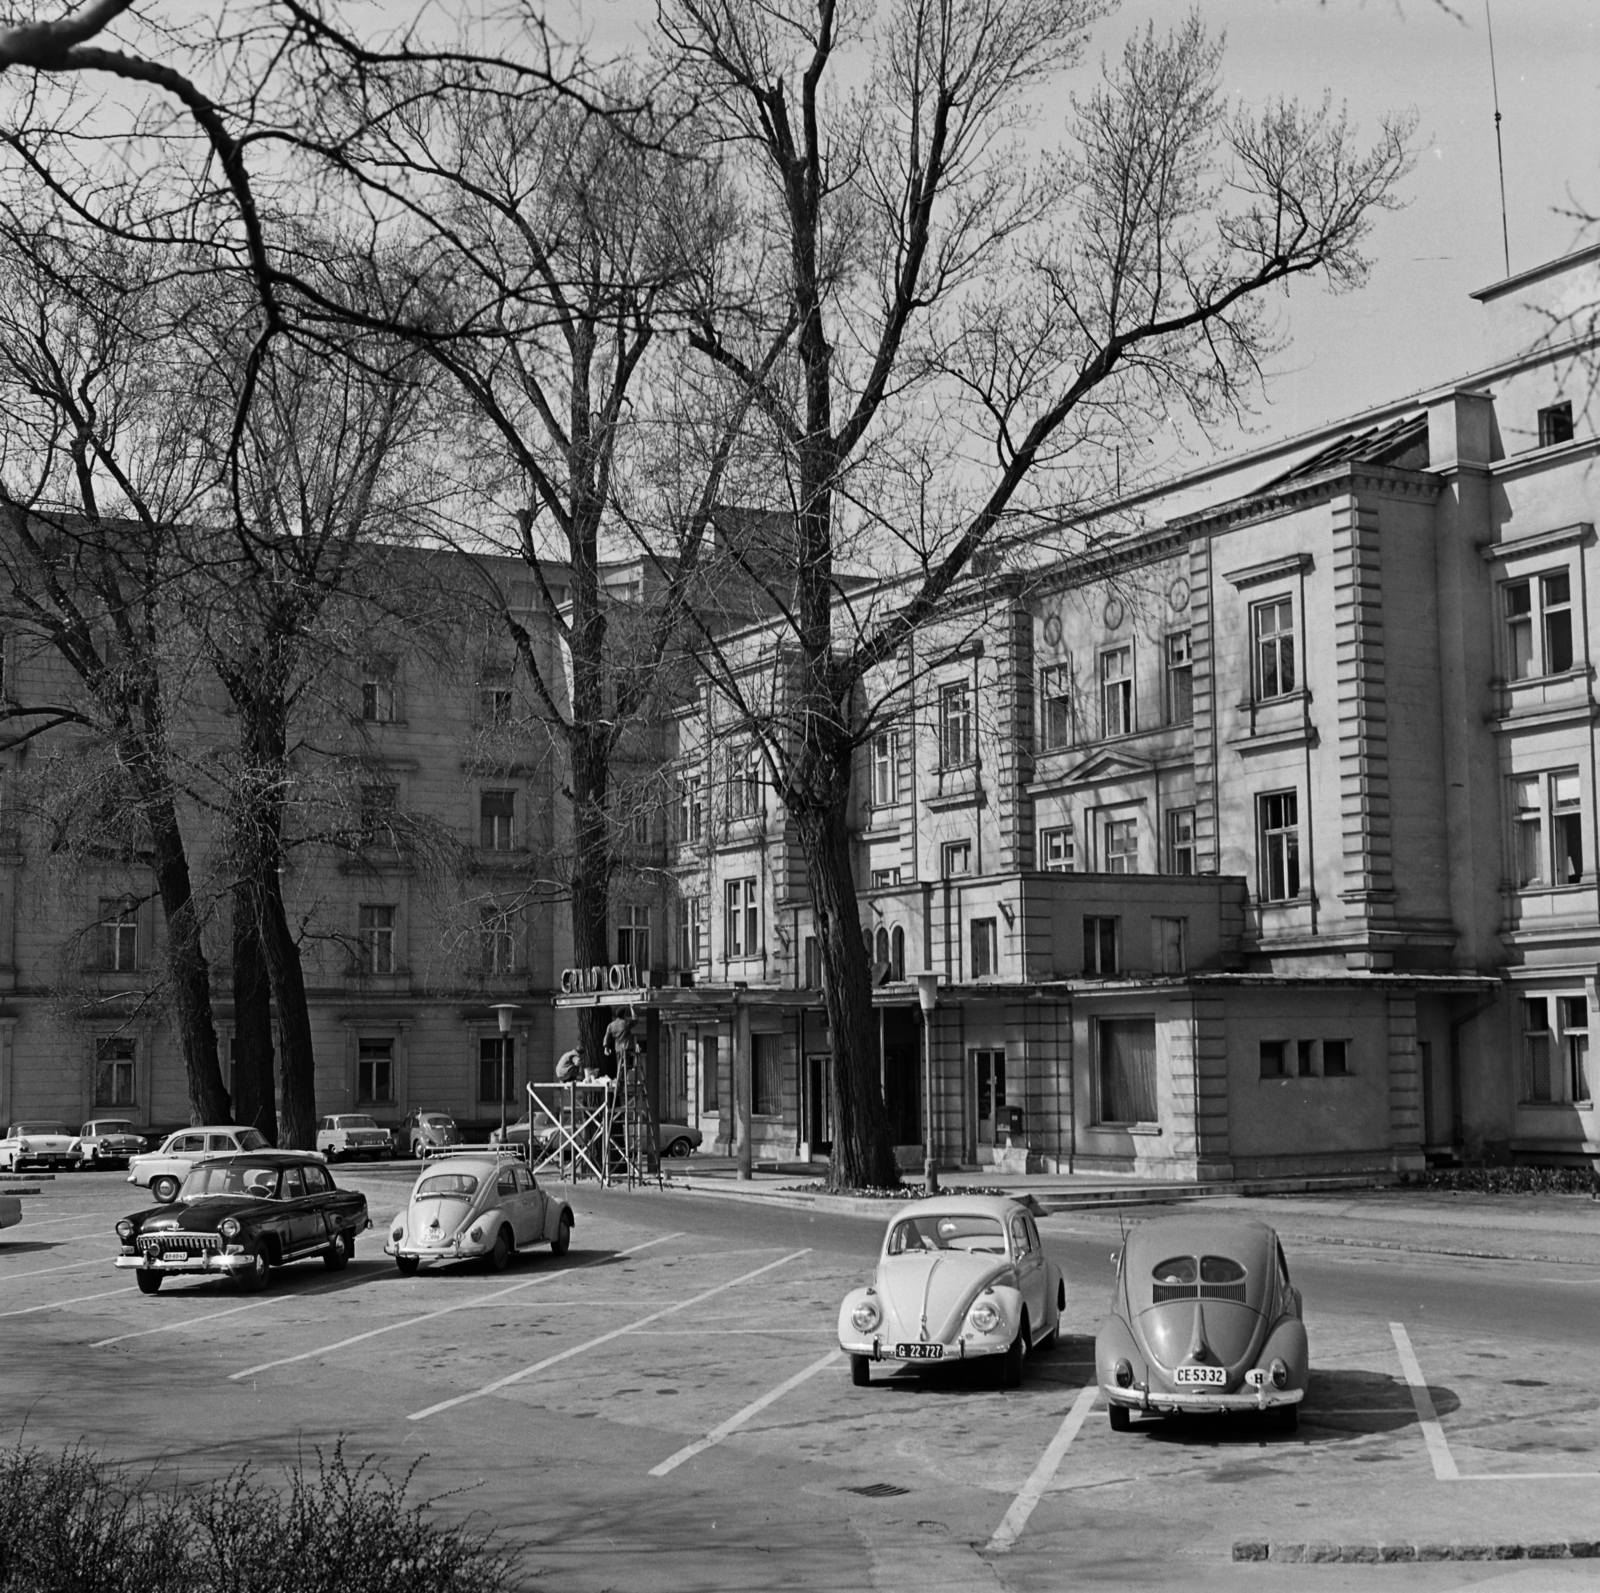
[960, 1277]
[477, 1204]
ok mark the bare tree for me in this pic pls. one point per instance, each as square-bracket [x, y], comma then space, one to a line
[974, 324]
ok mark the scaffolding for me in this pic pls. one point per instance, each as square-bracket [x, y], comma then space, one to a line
[601, 1129]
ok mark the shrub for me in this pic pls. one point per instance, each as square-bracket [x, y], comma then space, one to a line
[73, 1523]
[1513, 1180]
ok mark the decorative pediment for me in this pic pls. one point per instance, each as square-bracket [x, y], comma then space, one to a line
[1105, 767]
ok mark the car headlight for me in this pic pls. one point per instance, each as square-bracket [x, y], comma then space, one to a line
[866, 1316]
[229, 1227]
[1124, 1373]
[1279, 1373]
[125, 1231]
[985, 1316]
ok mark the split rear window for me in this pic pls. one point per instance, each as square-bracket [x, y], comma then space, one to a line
[1197, 1278]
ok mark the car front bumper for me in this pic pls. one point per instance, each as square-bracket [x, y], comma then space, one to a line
[964, 1349]
[213, 1262]
[1167, 1402]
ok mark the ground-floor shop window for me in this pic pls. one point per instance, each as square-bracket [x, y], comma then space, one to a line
[374, 1072]
[113, 1074]
[1127, 1070]
[766, 1075]
[710, 1075]
[1555, 1049]
[496, 1067]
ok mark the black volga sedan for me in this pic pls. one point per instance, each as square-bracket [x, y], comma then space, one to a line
[238, 1216]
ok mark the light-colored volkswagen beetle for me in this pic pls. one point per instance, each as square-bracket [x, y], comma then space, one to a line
[960, 1277]
[477, 1204]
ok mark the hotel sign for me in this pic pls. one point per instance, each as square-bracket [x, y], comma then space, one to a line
[597, 980]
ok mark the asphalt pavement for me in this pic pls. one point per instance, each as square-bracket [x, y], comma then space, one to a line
[664, 1407]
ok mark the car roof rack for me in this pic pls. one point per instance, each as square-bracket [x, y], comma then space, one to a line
[505, 1153]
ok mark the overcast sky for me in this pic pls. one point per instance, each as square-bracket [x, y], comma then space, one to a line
[1414, 325]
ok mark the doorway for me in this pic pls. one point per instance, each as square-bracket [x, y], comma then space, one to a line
[988, 1085]
[819, 1104]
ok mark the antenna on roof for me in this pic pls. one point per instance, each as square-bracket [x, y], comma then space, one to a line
[1499, 150]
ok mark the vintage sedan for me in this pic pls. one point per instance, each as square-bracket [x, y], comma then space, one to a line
[477, 1203]
[109, 1140]
[353, 1134]
[239, 1216]
[960, 1278]
[37, 1143]
[679, 1139]
[1203, 1319]
[164, 1169]
[425, 1132]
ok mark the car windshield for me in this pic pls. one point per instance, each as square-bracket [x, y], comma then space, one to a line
[230, 1178]
[111, 1128]
[356, 1122]
[38, 1128]
[972, 1231]
[438, 1186]
[252, 1139]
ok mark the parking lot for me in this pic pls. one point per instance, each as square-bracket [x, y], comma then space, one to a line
[665, 1405]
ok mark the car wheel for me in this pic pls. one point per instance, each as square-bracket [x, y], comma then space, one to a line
[1011, 1361]
[1121, 1418]
[1286, 1418]
[860, 1370]
[164, 1190]
[254, 1277]
[499, 1257]
[408, 1265]
[679, 1147]
[149, 1282]
[337, 1256]
[563, 1239]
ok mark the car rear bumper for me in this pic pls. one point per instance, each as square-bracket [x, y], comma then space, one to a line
[213, 1262]
[1169, 1401]
[455, 1250]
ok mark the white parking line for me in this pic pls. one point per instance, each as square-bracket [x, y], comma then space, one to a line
[54, 1305]
[604, 1338]
[76, 1238]
[70, 1266]
[1444, 1463]
[739, 1418]
[1009, 1530]
[233, 1310]
[428, 1316]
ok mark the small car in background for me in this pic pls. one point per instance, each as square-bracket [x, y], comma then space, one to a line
[679, 1139]
[427, 1131]
[531, 1139]
[109, 1140]
[960, 1278]
[476, 1203]
[39, 1143]
[164, 1169]
[351, 1134]
[239, 1216]
[1203, 1319]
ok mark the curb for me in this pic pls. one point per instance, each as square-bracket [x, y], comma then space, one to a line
[20, 1189]
[1258, 1551]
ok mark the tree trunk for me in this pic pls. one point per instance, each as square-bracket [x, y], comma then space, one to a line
[297, 1060]
[591, 878]
[863, 1151]
[253, 1103]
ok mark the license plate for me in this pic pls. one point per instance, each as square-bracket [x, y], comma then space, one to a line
[919, 1352]
[1204, 1376]
[174, 1255]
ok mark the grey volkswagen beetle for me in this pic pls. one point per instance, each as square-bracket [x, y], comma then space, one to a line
[1203, 1319]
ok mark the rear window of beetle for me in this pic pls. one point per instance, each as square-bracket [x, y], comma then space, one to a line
[438, 1185]
[1197, 1278]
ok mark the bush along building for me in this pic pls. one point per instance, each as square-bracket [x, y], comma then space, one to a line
[1257, 839]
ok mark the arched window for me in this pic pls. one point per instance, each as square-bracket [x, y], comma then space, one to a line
[881, 949]
[897, 955]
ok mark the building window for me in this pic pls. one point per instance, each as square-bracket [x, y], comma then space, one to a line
[691, 931]
[955, 725]
[813, 971]
[377, 805]
[374, 1072]
[1542, 643]
[1272, 623]
[766, 1075]
[985, 948]
[1055, 706]
[1180, 679]
[742, 932]
[494, 695]
[1116, 692]
[642, 825]
[1536, 1079]
[1575, 1044]
[1566, 825]
[1558, 797]
[1056, 850]
[1180, 841]
[497, 941]
[1127, 1070]
[885, 878]
[897, 955]
[744, 784]
[1555, 599]
[1555, 424]
[1335, 1058]
[710, 1075]
[1529, 830]
[691, 808]
[1168, 945]
[885, 769]
[376, 937]
[1273, 1059]
[377, 692]
[1305, 1050]
[1280, 846]
[113, 1071]
[497, 812]
[955, 857]
[1122, 846]
[119, 934]
[1100, 946]
[633, 937]
[497, 1073]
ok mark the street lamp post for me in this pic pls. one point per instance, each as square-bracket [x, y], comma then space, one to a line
[503, 1011]
[928, 999]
